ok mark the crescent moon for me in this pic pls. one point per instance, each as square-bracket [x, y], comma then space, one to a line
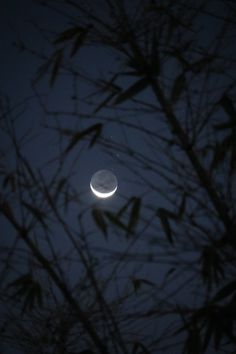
[103, 183]
[102, 195]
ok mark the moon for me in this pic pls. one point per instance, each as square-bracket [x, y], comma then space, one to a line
[103, 184]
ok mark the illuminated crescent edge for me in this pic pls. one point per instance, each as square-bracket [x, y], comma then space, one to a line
[102, 195]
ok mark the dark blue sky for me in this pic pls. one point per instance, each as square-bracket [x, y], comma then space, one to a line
[135, 179]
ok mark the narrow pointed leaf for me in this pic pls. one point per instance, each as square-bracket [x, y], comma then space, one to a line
[56, 66]
[134, 216]
[178, 87]
[115, 220]
[226, 291]
[136, 349]
[133, 90]
[100, 221]
[182, 207]
[226, 125]
[77, 137]
[43, 69]
[68, 34]
[79, 41]
[125, 207]
[228, 107]
[22, 280]
[104, 102]
[165, 224]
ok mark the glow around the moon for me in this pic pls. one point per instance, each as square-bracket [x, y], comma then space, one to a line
[103, 184]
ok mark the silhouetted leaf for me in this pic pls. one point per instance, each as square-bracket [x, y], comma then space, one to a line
[139, 348]
[43, 69]
[95, 130]
[133, 90]
[99, 220]
[207, 336]
[9, 180]
[228, 107]
[29, 290]
[201, 64]
[155, 59]
[68, 34]
[134, 216]
[226, 291]
[79, 41]
[96, 135]
[58, 56]
[233, 158]
[178, 87]
[29, 169]
[104, 102]
[137, 282]
[226, 125]
[219, 154]
[7, 211]
[211, 266]
[115, 220]
[125, 207]
[182, 207]
[193, 342]
[163, 215]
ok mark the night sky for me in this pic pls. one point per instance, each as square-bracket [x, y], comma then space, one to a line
[159, 268]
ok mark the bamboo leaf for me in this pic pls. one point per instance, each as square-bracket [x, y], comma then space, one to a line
[96, 129]
[226, 125]
[165, 224]
[228, 107]
[137, 346]
[23, 280]
[134, 216]
[58, 56]
[43, 69]
[29, 169]
[125, 207]
[80, 39]
[178, 87]
[68, 34]
[9, 180]
[208, 336]
[96, 135]
[182, 207]
[133, 90]
[226, 291]
[201, 64]
[136, 284]
[220, 151]
[155, 59]
[104, 102]
[233, 159]
[115, 220]
[7, 211]
[29, 290]
[100, 221]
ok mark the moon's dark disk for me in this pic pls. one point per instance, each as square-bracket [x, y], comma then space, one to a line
[103, 183]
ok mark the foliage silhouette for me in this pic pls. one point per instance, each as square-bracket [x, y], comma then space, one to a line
[162, 278]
